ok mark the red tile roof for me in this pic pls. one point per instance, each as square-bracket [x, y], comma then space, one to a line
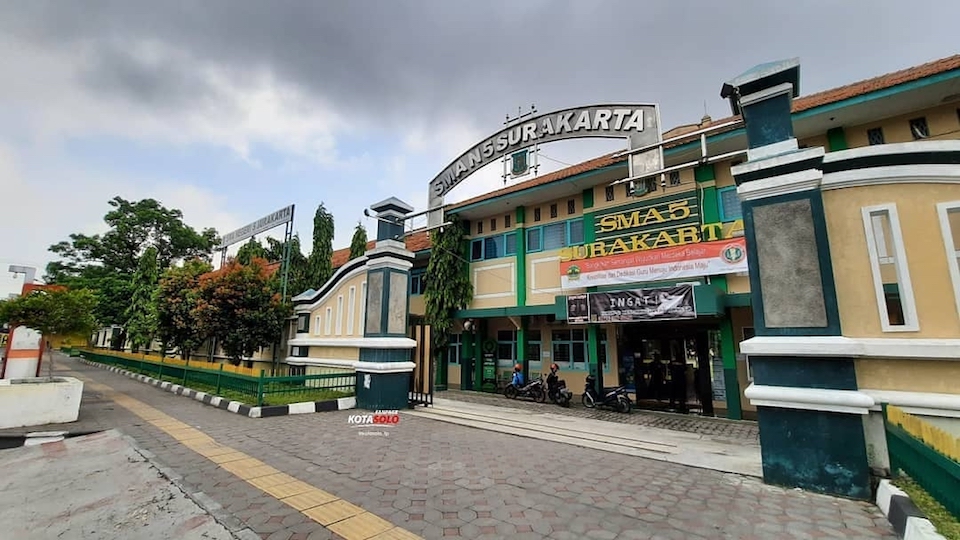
[800, 104]
[272, 268]
[421, 241]
[415, 242]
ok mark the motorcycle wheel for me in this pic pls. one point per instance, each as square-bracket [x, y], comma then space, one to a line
[588, 401]
[510, 392]
[564, 401]
[540, 396]
[623, 405]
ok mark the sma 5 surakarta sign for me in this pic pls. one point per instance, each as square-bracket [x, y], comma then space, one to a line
[658, 240]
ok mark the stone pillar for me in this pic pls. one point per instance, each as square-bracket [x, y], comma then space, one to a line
[385, 366]
[810, 414]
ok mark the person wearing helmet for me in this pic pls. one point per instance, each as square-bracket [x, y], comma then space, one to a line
[553, 378]
[517, 376]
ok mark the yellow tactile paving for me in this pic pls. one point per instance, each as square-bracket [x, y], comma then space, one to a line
[361, 526]
[210, 449]
[250, 473]
[308, 499]
[272, 480]
[225, 458]
[332, 512]
[345, 519]
[290, 489]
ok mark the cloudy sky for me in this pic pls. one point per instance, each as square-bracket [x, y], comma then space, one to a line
[230, 109]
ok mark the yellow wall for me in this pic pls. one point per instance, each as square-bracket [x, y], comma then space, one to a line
[418, 304]
[941, 121]
[494, 283]
[321, 311]
[334, 353]
[562, 215]
[738, 284]
[620, 197]
[543, 277]
[926, 257]
[453, 376]
[500, 218]
[723, 176]
[813, 142]
[325, 370]
[936, 376]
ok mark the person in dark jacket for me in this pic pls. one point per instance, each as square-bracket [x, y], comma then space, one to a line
[678, 384]
[658, 373]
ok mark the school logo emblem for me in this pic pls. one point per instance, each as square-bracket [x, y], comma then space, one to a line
[732, 254]
[519, 164]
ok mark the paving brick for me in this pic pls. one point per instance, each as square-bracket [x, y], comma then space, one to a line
[432, 478]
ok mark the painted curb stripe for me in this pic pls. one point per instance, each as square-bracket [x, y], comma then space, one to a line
[219, 402]
[907, 520]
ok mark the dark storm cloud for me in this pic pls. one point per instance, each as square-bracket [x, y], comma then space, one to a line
[391, 60]
[166, 83]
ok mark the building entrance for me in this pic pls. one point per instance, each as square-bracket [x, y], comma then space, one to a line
[669, 366]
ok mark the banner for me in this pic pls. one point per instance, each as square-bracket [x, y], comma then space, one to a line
[664, 303]
[284, 215]
[691, 260]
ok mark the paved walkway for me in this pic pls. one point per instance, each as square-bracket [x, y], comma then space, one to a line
[734, 430]
[695, 449]
[113, 494]
[439, 480]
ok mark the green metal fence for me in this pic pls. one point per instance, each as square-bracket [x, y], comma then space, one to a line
[936, 473]
[259, 391]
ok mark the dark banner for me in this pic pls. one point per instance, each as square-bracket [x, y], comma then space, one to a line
[665, 303]
[578, 309]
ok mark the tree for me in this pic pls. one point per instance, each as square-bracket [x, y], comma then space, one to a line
[358, 245]
[320, 262]
[298, 281]
[106, 263]
[448, 288]
[52, 311]
[177, 296]
[252, 249]
[238, 306]
[142, 312]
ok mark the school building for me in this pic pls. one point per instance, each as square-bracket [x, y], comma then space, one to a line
[797, 263]
[536, 244]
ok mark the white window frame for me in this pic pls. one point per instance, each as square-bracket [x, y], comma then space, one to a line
[316, 328]
[953, 255]
[340, 315]
[907, 300]
[327, 329]
[363, 306]
[351, 309]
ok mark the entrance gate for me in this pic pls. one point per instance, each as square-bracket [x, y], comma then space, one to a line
[422, 377]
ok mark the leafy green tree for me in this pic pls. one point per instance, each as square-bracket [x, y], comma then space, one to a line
[176, 299]
[142, 311]
[251, 250]
[358, 244]
[449, 288]
[106, 263]
[320, 262]
[298, 268]
[239, 306]
[52, 311]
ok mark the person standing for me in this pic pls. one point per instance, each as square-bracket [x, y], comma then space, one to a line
[678, 385]
[657, 375]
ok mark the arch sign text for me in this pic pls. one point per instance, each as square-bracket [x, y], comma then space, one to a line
[639, 124]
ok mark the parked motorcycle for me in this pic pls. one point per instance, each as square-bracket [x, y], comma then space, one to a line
[614, 398]
[557, 391]
[533, 389]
